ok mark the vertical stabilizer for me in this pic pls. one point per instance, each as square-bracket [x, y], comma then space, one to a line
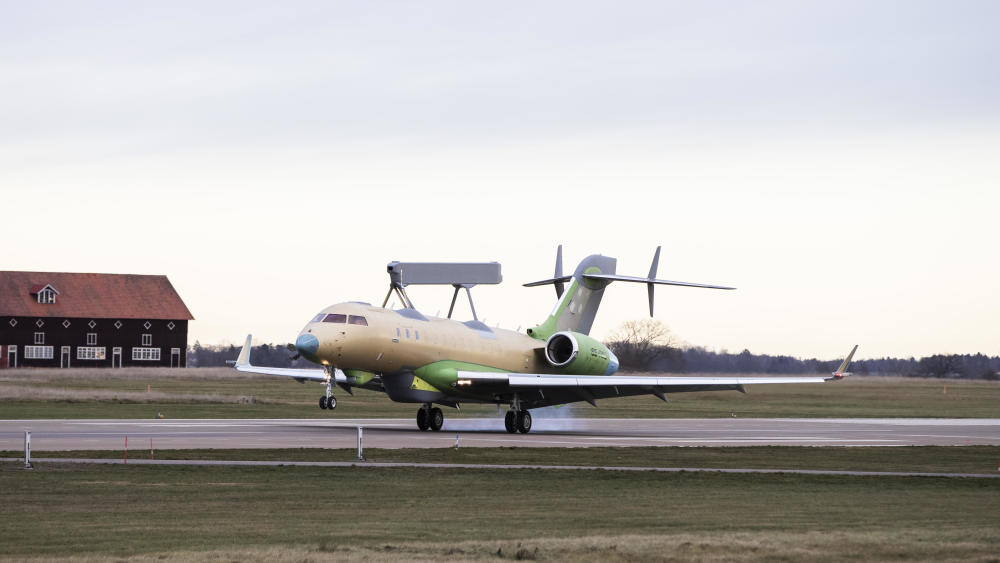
[578, 304]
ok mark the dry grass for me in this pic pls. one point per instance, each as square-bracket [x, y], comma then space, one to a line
[705, 547]
[91, 392]
[27, 393]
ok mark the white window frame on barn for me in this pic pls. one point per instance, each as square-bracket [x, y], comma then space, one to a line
[146, 354]
[91, 339]
[147, 340]
[38, 352]
[47, 295]
[39, 338]
[90, 353]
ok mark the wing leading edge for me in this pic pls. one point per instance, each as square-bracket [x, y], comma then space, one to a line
[312, 374]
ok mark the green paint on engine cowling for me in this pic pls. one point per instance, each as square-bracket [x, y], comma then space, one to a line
[443, 375]
[592, 357]
[361, 378]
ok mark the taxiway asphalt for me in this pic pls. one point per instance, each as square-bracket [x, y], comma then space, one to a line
[52, 435]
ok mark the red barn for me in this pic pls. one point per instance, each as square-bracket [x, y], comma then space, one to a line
[58, 319]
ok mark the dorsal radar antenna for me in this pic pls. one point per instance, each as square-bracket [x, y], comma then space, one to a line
[460, 275]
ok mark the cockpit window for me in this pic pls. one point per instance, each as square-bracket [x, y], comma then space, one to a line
[335, 318]
[318, 318]
[356, 320]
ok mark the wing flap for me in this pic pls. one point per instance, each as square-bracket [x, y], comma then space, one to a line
[538, 380]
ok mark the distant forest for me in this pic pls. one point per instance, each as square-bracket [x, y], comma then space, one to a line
[690, 359]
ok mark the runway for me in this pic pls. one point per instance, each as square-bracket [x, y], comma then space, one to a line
[55, 435]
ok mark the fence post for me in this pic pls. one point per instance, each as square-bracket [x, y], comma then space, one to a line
[27, 449]
[361, 447]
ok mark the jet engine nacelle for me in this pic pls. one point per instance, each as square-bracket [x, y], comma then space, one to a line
[579, 354]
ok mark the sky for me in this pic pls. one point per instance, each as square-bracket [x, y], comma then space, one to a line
[837, 162]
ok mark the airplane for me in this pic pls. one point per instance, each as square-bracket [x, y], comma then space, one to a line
[416, 358]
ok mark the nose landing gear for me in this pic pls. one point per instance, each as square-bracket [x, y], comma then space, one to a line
[328, 401]
[430, 418]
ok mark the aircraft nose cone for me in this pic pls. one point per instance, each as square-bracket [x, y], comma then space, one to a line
[307, 345]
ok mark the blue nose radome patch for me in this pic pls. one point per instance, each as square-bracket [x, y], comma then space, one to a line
[307, 344]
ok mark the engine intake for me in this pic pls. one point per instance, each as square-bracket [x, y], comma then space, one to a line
[561, 349]
[579, 354]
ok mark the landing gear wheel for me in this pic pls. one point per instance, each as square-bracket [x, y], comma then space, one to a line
[510, 422]
[422, 422]
[436, 419]
[524, 422]
[331, 402]
[322, 403]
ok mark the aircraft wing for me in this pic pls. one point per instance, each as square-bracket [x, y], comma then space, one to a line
[301, 374]
[541, 390]
[554, 380]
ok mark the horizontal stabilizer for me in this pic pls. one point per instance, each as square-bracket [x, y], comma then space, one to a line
[550, 281]
[637, 279]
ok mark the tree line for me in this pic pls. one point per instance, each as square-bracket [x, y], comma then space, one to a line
[647, 345]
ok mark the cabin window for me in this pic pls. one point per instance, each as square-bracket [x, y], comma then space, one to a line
[416, 334]
[318, 318]
[407, 333]
[335, 318]
[147, 340]
[357, 320]
[39, 338]
[91, 339]
[398, 335]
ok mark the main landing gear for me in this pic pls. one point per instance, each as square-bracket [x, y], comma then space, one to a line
[429, 417]
[328, 401]
[517, 421]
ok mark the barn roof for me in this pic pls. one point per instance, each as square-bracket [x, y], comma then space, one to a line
[100, 296]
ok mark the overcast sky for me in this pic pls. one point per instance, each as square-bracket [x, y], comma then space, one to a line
[838, 162]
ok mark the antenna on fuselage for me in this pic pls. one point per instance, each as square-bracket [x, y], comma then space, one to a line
[460, 275]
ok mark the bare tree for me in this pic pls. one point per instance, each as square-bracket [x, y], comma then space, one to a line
[638, 343]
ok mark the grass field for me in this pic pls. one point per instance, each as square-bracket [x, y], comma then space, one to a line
[223, 393]
[922, 459]
[314, 514]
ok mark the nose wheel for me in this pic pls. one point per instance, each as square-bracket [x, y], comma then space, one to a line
[328, 401]
[430, 418]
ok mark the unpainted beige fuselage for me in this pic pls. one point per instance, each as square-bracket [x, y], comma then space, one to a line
[392, 342]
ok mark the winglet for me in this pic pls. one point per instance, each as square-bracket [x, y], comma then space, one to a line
[652, 276]
[841, 371]
[560, 287]
[244, 358]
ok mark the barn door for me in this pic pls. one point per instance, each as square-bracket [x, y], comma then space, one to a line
[12, 356]
[64, 357]
[3, 356]
[116, 357]
[175, 357]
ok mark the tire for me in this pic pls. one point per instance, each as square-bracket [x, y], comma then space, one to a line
[422, 423]
[331, 403]
[510, 422]
[524, 422]
[322, 403]
[436, 419]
